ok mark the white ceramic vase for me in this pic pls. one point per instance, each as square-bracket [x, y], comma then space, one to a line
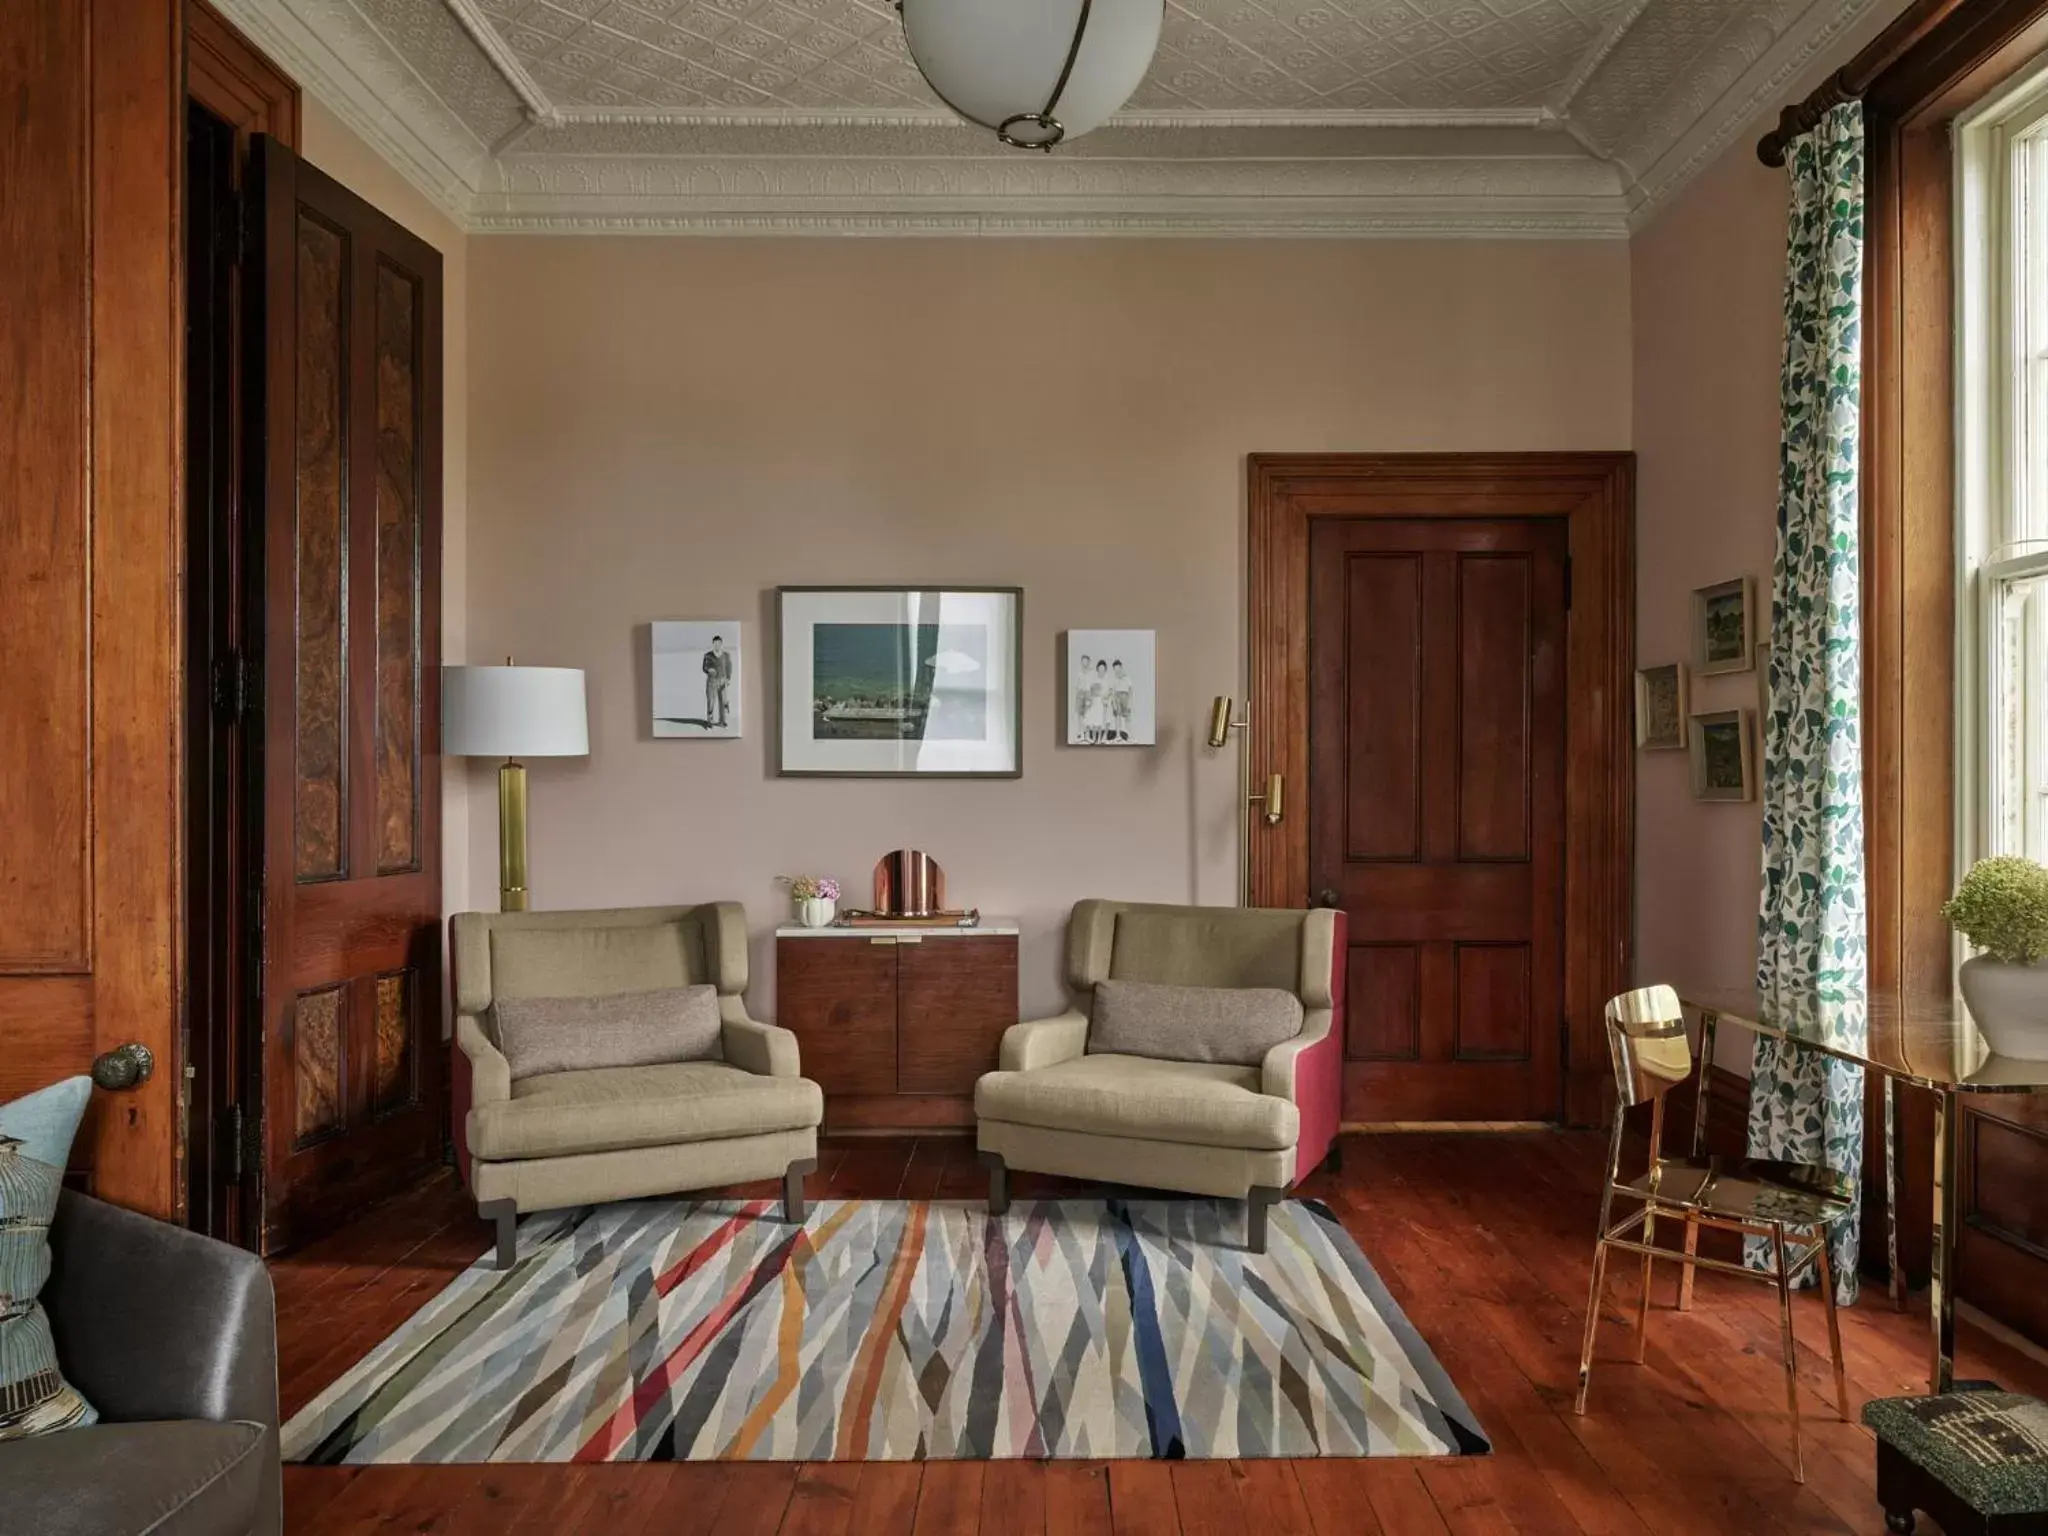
[816, 911]
[2010, 1005]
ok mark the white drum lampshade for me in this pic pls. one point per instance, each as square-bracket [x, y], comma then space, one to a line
[1038, 72]
[513, 712]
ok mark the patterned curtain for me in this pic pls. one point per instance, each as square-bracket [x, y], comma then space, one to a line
[1811, 939]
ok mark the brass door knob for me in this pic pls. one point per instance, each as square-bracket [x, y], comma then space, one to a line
[125, 1066]
[1328, 897]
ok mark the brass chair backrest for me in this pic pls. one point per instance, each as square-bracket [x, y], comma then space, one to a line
[1647, 1041]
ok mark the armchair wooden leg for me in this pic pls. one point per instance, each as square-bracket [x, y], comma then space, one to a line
[998, 1182]
[1257, 1202]
[793, 1208]
[506, 1216]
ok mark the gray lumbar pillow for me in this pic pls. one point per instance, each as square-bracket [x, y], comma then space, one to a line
[1236, 1025]
[628, 1029]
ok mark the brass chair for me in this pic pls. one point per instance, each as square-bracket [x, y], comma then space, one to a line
[1792, 1204]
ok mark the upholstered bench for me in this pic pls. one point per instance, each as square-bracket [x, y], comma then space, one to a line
[1976, 1461]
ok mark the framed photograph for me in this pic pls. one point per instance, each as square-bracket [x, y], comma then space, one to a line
[1110, 692]
[1723, 759]
[886, 682]
[1724, 627]
[696, 677]
[1663, 700]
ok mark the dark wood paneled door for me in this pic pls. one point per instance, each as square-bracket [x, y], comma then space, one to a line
[1437, 807]
[348, 323]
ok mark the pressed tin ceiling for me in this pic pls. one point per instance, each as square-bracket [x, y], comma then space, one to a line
[1345, 117]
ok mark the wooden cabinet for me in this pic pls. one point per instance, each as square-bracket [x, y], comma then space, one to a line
[896, 1024]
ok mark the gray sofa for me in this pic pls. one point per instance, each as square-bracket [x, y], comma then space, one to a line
[173, 1338]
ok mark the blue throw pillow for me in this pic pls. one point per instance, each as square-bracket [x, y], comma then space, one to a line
[35, 1144]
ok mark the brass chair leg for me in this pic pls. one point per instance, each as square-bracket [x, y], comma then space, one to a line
[1827, 1291]
[1592, 1322]
[1643, 1302]
[1685, 1274]
[1791, 1351]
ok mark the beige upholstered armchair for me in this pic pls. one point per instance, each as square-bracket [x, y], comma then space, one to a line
[1245, 1128]
[546, 1139]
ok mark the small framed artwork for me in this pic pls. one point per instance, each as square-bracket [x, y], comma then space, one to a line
[696, 677]
[1110, 693]
[1663, 701]
[1724, 627]
[1723, 759]
[901, 682]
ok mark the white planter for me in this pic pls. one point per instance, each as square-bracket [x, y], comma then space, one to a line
[816, 912]
[2010, 1005]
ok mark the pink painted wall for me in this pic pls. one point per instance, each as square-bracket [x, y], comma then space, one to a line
[672, 428]
[1706, 277]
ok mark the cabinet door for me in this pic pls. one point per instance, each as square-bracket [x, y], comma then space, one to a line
[838, 996]
[954, 999]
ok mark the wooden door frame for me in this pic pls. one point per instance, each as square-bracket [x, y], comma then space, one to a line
[229, 78]
[1595, 494]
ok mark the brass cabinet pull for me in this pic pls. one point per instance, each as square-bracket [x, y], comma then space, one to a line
[883, 938]
[910, 938]
[125, 1066]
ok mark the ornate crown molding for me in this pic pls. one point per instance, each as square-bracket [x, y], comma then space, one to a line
[463, 120]
[343, 62]
[1731, 92]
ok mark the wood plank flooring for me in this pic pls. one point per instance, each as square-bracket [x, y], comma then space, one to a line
[1484, 1240]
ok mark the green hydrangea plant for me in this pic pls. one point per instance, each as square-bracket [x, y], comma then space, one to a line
[2002, 909]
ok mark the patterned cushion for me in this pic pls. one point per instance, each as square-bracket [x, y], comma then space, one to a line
[631, 1029]
[35, 1144]
[1991, 1448]
[1233, 1025]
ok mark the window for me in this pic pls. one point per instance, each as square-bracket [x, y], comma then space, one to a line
[2002, 472]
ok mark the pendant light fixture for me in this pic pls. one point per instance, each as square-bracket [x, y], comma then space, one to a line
[1036, 72]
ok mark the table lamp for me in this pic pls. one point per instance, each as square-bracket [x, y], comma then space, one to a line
[513, 712]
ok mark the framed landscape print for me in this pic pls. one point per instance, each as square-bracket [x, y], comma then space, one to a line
[1663, 700]
[696, 677]
[901, 681]
[1724, 627]
[1110, 688]
[1723, 760]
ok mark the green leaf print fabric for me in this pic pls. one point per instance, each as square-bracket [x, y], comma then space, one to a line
[1810, 929]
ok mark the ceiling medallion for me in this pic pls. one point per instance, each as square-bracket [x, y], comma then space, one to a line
[1034, 72]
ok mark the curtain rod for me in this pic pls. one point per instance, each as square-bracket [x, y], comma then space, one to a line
[1854, 78]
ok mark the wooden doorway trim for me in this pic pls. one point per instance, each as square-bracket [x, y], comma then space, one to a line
[236, 81]
[1595, 494]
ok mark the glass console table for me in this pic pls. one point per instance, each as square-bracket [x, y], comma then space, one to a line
[1927, 1043]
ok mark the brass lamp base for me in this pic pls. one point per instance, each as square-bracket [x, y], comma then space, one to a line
[512, 837]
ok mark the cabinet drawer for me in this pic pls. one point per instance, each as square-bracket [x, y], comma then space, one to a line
[954, 999]
[838, 997]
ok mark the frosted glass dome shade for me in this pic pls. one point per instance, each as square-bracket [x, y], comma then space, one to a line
[1035, 71]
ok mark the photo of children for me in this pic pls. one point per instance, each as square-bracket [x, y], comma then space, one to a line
[1110, 688]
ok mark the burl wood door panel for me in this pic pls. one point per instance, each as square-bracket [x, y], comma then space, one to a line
[347, 307]
[1436, 805]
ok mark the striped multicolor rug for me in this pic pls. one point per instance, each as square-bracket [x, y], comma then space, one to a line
[887, 1330]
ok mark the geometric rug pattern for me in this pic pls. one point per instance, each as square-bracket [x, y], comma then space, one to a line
[892, 1330]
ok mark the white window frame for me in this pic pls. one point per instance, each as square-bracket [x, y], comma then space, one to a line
[1993, 146]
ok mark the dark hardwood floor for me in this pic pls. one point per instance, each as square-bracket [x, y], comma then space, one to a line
[1484, 1240]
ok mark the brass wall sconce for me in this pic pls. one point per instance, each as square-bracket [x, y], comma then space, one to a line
[1223, 723]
